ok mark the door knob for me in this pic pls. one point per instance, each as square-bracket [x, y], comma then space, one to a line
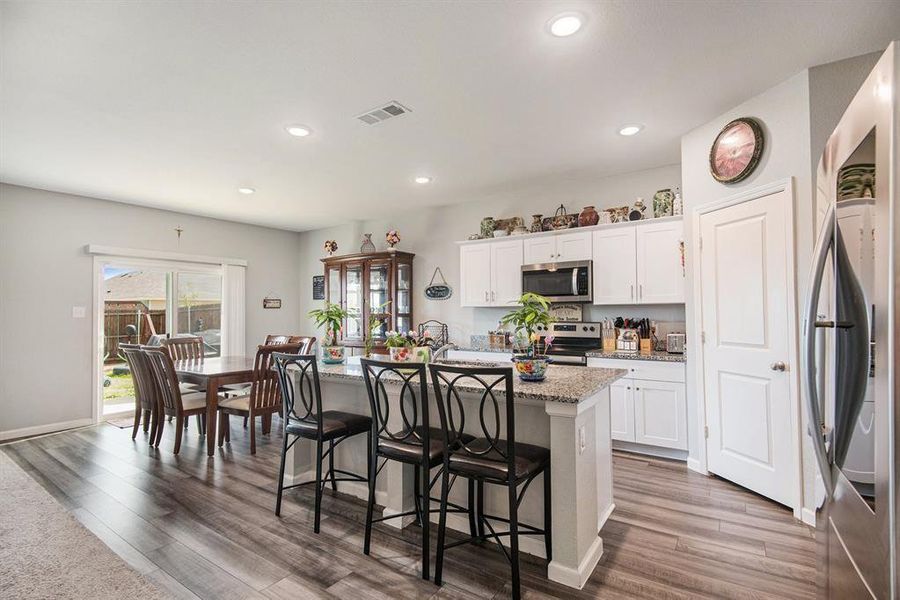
[779, 366]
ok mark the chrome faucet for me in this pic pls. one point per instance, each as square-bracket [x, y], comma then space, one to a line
[443, 350]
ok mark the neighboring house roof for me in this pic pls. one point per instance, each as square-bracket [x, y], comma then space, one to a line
[146, 285]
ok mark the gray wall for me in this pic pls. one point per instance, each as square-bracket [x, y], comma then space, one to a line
[45, 354]
[432, 233]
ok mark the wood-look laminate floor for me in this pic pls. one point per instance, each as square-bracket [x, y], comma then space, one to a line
[204, 528]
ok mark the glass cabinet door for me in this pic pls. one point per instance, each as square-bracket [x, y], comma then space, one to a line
[379, 298]
[404, 297]
[354, 302]
[334, 285]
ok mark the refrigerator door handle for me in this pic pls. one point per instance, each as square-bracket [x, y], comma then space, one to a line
[824, 244]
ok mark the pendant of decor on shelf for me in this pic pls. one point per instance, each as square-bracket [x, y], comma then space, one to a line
[392, 238]
[330, 247]
[367, 246]
[438, 291]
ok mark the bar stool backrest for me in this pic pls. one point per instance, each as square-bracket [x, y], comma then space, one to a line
[301, 394]
[412, 379]
[493, 389]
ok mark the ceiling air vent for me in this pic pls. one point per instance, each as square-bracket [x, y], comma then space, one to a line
[383, 113]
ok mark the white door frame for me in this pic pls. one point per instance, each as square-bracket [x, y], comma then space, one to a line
[133, 258]
[781, 185]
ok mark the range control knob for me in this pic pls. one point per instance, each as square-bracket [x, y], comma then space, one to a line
[584, 327]
[592, 328]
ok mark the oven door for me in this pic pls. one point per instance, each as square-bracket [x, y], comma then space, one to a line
[560, 282]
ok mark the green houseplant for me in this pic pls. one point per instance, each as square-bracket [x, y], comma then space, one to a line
[331, 318]
[533, 311]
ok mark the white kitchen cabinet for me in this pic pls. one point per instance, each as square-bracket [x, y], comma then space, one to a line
[490, 273]
[640, 264]
[660, 276]
[563, 247]
[615, 265]
[660, 414]
[647, 406]
[506, 272]
[621, 410]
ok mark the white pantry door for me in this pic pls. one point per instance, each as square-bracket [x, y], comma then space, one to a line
[745, 303]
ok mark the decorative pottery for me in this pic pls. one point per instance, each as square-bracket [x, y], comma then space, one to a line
[367, 245]
[637, 211]
[330, 247]
[500, 233]
[604, 217]
[617, 214]
[487, 227]
[536, 223]
[392, 238]
[677, 203]
[662, 203]
[531, 368]
[332, 355]
[519, 230]
[588, 217]
[735, 153]
[560, 218]
[402, 354]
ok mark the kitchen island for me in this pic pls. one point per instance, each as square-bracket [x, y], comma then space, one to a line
[569, 412]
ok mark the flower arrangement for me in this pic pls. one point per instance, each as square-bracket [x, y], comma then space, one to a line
[404, 347]
[533, 310]
[330, 247]
[392, 238]
[331, 318]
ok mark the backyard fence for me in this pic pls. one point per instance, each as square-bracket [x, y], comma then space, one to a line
[118, 315]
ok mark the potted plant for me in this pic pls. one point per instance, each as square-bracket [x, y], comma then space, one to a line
[409, 346]
[534, 310]
[331, 319]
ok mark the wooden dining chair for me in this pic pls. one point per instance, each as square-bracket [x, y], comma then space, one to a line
[146, 395]
[173, 403]
[262, 400]
[306, 345]
[184, 348]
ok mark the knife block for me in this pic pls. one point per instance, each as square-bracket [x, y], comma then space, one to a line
[646, 346]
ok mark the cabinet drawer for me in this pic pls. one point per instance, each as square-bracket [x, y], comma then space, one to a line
[643, 369]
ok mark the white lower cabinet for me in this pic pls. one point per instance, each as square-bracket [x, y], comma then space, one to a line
[648, 406]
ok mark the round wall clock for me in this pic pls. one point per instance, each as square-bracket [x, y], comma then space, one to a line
[736, 151]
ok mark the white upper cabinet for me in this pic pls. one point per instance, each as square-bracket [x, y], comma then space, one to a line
[506, 272]
[615, 266]
[639, 265]
[490, 273]
[475, 275]
[563, 247]
[660, 276]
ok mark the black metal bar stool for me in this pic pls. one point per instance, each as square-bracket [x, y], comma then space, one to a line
[307, 420]
[493, 458]
[416, 443]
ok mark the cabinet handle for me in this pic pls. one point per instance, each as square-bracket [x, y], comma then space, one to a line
[637, 389]
[485, 296]
[628, 387]
[493, 296]
[632, 291]
[640, 291]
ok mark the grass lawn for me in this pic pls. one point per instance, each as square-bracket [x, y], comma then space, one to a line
[120, 389]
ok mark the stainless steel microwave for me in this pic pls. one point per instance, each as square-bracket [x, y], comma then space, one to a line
[560, 282]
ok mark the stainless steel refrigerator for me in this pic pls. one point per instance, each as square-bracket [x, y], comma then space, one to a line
[851, 334]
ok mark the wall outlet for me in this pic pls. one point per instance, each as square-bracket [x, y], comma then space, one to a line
[79, 312]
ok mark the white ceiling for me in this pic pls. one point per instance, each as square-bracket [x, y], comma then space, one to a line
[176, 105]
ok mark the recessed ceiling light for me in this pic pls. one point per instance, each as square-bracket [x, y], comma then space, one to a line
[422, 179]
[628, 130]
[299, 130]
[246, 190]
[566, 24]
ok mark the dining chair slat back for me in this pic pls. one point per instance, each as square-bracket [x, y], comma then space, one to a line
[265, 391]
[165, 376]
[184, 348]
[146, 395]
[306, 342]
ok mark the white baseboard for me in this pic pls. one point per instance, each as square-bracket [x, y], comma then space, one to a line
[605, 516]
[694, 465]
[659, 451]
[808, 516]
[576, 578]
[12, 434]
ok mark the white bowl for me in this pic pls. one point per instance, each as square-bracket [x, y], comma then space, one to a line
[500, 233]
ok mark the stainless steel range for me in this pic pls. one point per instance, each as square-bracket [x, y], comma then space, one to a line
[572, 340]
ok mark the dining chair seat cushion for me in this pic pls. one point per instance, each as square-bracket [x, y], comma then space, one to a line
[335, 423]
[193, 401]
[239, 403]
[411, 452]
[529, 459]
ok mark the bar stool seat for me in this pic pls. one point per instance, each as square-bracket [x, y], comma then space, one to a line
[412, 453]
[335, 423]
[489, 463]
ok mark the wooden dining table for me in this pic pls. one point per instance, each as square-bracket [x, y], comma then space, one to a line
[211, 374]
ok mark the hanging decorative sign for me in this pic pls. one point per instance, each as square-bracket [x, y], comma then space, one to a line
[271, 302]
[438, 291]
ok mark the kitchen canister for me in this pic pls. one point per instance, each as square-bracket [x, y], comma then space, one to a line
[487, 227]
[663, 203]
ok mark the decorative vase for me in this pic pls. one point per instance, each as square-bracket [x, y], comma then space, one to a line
[536, 223]
[588, 217]
[367, 245]
[401, 354]
[637, 211]
[487, 227]
[677, 203]
[663, 201]
[332, 355]
[531, 368]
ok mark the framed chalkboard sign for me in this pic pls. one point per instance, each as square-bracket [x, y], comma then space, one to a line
[438, 291]
[318, 287]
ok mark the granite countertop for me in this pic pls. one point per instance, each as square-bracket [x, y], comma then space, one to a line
[562, 384]
[485, 348]
[656, 355]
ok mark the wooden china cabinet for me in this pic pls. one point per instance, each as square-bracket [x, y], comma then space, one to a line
[374, 285]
